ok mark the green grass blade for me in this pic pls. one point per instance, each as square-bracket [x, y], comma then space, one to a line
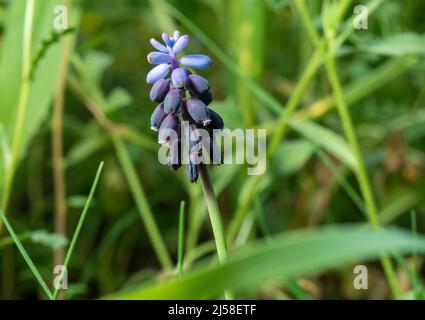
[25, 255]
[79, 227]
[287, 256]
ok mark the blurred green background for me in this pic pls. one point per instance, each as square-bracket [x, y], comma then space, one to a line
[260, 49]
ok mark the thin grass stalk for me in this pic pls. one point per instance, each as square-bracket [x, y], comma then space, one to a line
[142, 203]
[361, 172]
[78, 229]
[25, 255]
[57, 144]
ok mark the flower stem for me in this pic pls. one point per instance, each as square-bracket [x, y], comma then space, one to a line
[215, 217]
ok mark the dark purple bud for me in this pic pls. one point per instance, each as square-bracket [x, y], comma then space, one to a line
[172, 101]
[192, 171]
[216, 120]
[158, 46]
[158, 57]
[169, 130]
[198, 111]
[159, 72]
[179, 78]
[175, 156]
[196, 61]
[160, 90]
[181, 43]
[198, 84]
[158, 117]
[206, 97]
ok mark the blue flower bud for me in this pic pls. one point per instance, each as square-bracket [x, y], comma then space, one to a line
[198, 84]
[169, 129]
[198, 111]
[158, 46]
[158, 117]
[172, 101]
[216, 120]
[159, 72]
[196, 61]
[181, 43]
[179, 78]
[169, 42]
[176, 35]
[192, 171]
[159, 90]
[159, 57]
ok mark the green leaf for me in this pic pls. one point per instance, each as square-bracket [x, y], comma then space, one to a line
[397, 45]
[291, 156]
[119, 98]
[284, 257]
[327, 139]
[44, 84]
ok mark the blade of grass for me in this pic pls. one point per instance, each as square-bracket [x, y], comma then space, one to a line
[26, 256]
[22, 105]
[142, 203]
[78, 228]
[180, 253]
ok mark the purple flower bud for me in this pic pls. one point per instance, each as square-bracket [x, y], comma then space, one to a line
[159, 72]
[158, 117]
[167, 40]
[158, 57]
[181, 43]
[196, 61]
[179, 78]
[198, 84]
[159, 90]
[192, 171]
[169, 130]
[216, 120]
[176, 35]
[172, 101]
[158, 46]
[198, 111]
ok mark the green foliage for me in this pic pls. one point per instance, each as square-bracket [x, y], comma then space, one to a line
[282, 258]
[292, 67]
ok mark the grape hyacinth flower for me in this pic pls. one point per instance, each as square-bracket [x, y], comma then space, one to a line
[183, 97]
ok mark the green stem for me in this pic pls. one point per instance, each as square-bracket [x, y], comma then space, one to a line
[180, 250]
[22, 104]
[215, 217]
[142, 203]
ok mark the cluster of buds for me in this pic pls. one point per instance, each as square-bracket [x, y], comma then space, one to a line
[183, 105]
